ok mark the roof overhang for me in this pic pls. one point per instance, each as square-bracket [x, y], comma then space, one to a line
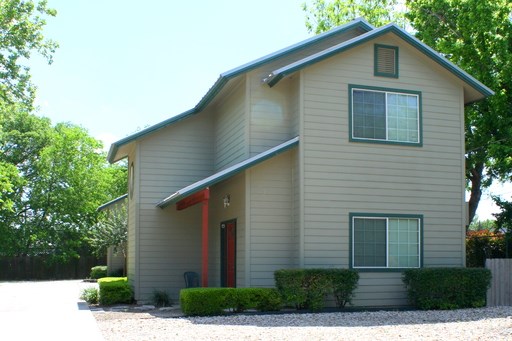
[117, 152]
[227, 173]
[483, 91]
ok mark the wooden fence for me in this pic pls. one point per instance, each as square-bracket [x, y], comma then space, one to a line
[500, 293]
[40, 268]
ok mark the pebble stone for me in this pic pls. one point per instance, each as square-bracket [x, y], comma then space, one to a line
[465, 324]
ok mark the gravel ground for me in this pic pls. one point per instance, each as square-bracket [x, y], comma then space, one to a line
[465, 324]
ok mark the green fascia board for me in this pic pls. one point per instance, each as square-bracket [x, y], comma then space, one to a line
[279, 74]
[112, 202]
[358, 23]
[227, 173]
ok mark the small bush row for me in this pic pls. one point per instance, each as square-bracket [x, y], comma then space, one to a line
[215, 301]
[101, 271]
[447, 288]
[114, 290]
[307, 288]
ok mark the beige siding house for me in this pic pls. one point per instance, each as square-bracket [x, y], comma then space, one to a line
[345, 150]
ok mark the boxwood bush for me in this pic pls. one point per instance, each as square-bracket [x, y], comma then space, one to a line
[114, 290]
[98, 271]
[216, 301]
[447, 288]
[307, 288]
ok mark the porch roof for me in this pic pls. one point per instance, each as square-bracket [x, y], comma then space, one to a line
[112, 202]
[227, 173]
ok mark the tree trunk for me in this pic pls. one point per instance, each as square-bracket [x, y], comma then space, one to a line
[476, 191]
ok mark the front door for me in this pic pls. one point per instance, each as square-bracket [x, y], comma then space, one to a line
[228, 254]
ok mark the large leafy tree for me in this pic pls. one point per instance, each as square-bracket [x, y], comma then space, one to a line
[474, 34]
[60, 179]
[21, 34]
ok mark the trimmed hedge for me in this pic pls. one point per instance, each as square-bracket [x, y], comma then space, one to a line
[307, 288]
[215, 301]
[447, 288]
[115, 290]
[98, 271]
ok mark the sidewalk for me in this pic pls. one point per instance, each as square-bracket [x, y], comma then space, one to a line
[46, 311]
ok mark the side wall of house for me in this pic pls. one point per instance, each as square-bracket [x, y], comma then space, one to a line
[230, 128]
[271, 233]
[169, 241]
[343, 177]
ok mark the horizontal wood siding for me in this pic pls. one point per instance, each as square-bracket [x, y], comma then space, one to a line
[175, 157]
[272, 113]
[272, 235]
[229, 125]
[342, 177]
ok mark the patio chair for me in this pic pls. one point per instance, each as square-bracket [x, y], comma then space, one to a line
[191, 279]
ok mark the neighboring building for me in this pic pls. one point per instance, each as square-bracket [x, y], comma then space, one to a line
[343, 151]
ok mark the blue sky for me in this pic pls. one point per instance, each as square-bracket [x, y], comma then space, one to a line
[123, 65]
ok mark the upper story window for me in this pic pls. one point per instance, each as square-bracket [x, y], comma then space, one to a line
[392, 241]
[385, 115]
[386, 61]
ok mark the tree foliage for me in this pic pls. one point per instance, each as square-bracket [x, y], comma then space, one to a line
[111, 230]
[21, 33]
[477, 36]
[58, 179]
[323, 15]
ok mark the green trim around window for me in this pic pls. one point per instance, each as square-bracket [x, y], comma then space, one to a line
[351, 87]
[353, 215]
[376, 61]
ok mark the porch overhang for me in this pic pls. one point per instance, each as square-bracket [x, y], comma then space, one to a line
[227, 173]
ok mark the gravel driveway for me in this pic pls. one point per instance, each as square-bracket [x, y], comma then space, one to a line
[466, 324]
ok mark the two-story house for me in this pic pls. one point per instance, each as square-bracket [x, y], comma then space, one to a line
[345, 150]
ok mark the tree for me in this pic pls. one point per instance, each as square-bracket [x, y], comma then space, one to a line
[21, 27]
[61, 178]
[111, 230]
[323, 15]
[477, 36]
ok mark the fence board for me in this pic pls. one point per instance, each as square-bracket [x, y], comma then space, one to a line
[500, 292]
[40, 268]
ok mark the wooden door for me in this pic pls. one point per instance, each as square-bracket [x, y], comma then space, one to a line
[228, 253]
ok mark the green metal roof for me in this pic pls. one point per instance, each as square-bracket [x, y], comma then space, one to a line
[112, 202]
[279, 74]
[227, 173]
[223, 79]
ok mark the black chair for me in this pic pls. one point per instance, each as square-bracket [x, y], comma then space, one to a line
[191, 279]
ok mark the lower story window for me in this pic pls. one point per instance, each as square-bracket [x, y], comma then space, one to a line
[386, 241]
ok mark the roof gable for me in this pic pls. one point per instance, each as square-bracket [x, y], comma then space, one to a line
[274, 77]
[359, 25]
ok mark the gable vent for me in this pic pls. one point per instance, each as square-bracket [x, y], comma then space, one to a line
[386, 61]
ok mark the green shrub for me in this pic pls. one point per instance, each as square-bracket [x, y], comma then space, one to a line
[343, 282]
[99, 271]
[115, 290]
[161, 298]
[447, 288]
[115, 273]
[215, 301]
[203, 301]
[307, 288]
[90, 295]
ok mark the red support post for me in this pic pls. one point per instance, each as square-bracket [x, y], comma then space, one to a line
[204, 276]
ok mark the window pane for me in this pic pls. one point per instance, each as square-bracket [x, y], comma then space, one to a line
[369, 242]
[368, 114]
[403, 248]
[402, 117]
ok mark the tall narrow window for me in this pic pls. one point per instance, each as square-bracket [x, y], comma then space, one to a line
[386, 61]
